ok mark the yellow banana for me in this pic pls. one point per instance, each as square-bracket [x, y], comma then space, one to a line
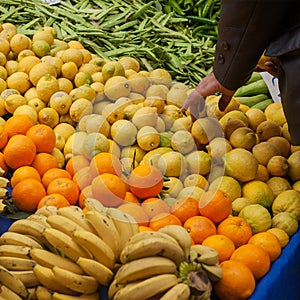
[4, 182]
[78, 283]
[96, 246]
[29, 227]
[181, 235]
[63, 224]
[4, 193]
[143, 268]
[145, 289]
[156, 246]
[76, 214]
[15, 238]
[59, 296]
[93, 204]
[8, 294]
[65, 244]
[49, 259]
[180, 291]
[122, 223]
[113, 288]
[49, 281]
[43, 293]
[39, 219]
[106, 229]
[214, 273]
[15, 251]
[28, 278]
[47, 210]
[204, 254]
[12, 282]
[94, 268]
[32, 293]
[16, 263]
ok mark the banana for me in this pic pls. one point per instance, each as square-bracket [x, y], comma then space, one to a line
[106, 229]
[96, 246]
[27, 277]
[43, 293]
[155, 246]
[93, 204]
[49, 259]
[181, 235]
[39, 219]
[94, 268]
[76, 214]
[214, 273]
[29, 227]
[48, 280]
[4, 193]
[16, 263]
[15, 238]
[85, 284]
[15, 251]
[47, 210]
[65, 243]
[4, 182]
[147, 288]
[8, 294]
[32, 293]
[123, 224]
[12, 282]
[180, 291]
[204, 254]
[143, 268]
[63, 224]
[113, 288]
[59, 296]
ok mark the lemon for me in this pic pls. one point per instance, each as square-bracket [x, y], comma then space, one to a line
[65, 85]
[296, 185]
[172, 164]
[145, 116]
[191, 192]
[13, 101]
[234, 114]
[48, 116]
[278, 185]
[133, 151]
[278, 165]
[61, 102]
[129, 63]
[282, 236]
[79, 108]
[285, 132]
[282, 144]
[36, 103]
[170, 114]
[184, 123]
[65, 130]
[58, 154]
[27, 110]
[171, 187]
[196, 180]
[160, 125]
[177, 94]
[294, 165]
[148, 138]
[183, 142]
[139, 83]
[94, 143]
[112, 113]
[275, 112]
[116, 87]
[82, 78]
[18, 81]
[258, 192]
[262, 173]
[74, 144]
[198, 162]
[97, 123]
[160, 76]
[46, 87]
[112, 69]
[243, 137]
[255, 117]
[217, 147]
[157, 90]
[238, 204]
[152, 157]
[130, 110]
[231, 125]
[123, 132]
[216, 170]
[268, 129]
[60, 142]
[40, 48]
[263, 152]
[240, 164]
[72, 54]
[69, 70]
[230, 186]
[3, 110]
[19, 42]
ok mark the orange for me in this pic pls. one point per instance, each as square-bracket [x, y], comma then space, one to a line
[137, 212]
[85, 193]
[66, 187]
[57, 200]
[54, 173]
[144, 228]
[19, 151]
[109, 189]
[199, 228]
[83, 177]
[17, 124]
[75, 163]
[3, 137]
[24, 173]
[267, 241]
[163, 219]
[237, 282]
[43, 162]
[185, 208]
[153, 206]
[237, 229]
[27, 194]
[222, 244]
[255, 258]
[130, 197]
[105, 162]
[43, 136]
[145, 181]
[215, 205]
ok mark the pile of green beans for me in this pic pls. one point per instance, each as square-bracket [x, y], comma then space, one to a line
[159, 34]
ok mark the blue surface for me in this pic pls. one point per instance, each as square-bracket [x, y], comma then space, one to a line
[281, 283]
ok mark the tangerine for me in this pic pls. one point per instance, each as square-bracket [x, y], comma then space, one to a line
[185, 208]
[22, 173]
[18, 124]
[54, 173]
[153, 206]
[54, 199]
[137, 212]
[43, 162]
[163, 219]
[76, 163]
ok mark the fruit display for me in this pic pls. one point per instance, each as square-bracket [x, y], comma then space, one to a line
[111, 186]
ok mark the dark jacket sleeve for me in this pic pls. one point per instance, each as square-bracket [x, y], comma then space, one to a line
[246, 28]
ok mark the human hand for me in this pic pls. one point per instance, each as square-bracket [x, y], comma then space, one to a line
[268, 64]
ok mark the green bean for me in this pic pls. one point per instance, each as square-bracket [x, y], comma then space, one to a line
[141, 10]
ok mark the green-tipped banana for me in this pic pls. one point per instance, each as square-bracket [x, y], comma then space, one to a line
[204, 254]
[214, 273]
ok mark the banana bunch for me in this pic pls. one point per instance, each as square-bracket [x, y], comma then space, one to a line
[149, 267]
[4, 193]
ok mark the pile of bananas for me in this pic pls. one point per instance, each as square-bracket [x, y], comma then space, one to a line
[64, 253]
[4, 192]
